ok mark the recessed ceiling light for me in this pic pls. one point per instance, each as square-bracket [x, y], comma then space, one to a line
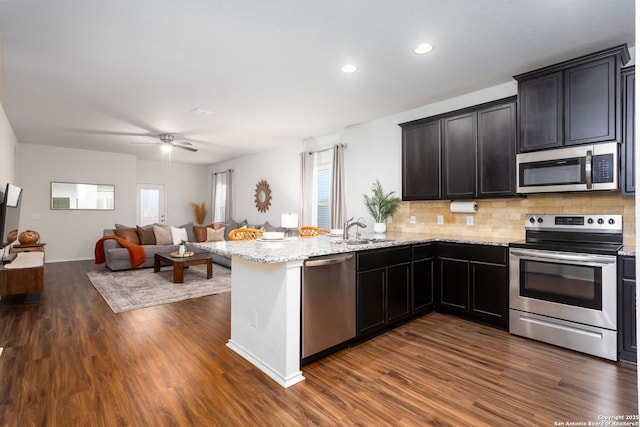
[201, 111]
[423, 48]
[349, 68]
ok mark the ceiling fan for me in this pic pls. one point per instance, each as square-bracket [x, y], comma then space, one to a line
[166, 143]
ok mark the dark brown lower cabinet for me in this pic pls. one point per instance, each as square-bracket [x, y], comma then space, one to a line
[454, 285]
[473, 282]
[393, 285]
[383, 289]
[627, 345]
[422, 278]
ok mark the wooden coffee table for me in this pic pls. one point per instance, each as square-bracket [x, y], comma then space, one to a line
[180, 263]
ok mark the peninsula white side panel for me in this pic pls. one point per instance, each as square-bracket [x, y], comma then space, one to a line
[265, 317]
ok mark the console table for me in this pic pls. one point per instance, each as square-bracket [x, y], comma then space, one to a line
[24, 274]
[36, 247]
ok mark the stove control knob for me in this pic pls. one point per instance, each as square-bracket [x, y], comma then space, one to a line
[600, 221]
[590, 221]
[540, 220]
[612, 221]
[532, 220]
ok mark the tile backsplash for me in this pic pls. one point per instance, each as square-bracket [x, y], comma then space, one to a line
[505, 217]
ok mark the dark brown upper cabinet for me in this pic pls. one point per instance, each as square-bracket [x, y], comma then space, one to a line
[497, 132]
[627, 172]
[421, 161]
[468, 153]
[571, 103]
[459, 156]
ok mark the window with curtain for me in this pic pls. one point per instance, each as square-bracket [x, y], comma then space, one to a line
[322, 174]
[323, 188]
[221, 196]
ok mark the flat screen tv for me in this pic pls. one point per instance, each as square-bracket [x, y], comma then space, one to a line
[10, 211]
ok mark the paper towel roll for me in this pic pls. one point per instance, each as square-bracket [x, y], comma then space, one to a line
[463, 207]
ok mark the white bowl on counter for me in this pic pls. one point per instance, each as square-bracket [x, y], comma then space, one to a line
[272, 235]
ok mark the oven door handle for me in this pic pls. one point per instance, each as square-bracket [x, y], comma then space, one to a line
[558, 256]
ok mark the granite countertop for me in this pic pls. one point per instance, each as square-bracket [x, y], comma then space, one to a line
[300, 248]
[627, 250]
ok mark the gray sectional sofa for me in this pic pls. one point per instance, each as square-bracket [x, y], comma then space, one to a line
[117, 257]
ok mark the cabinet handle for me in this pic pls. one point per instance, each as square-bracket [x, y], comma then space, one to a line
[587, 169]
[328, 261]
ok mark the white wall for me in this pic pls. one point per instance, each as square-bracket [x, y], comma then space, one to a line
[183, 184]
[71, 234]
[8, 139]
[280, 168]
[8, 150]
[374, 152]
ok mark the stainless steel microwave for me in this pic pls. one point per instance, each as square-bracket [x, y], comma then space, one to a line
[578, 168]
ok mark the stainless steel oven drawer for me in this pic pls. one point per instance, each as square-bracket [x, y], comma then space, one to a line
[586, 339]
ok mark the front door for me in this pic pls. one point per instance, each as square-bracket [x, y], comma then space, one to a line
[150, 204]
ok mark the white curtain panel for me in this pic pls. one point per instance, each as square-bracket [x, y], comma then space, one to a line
[307, 161]
[337, 199]
[228, 204]
[221, 178]
[214, 177]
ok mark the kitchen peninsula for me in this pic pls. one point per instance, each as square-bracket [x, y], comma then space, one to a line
[266, 293]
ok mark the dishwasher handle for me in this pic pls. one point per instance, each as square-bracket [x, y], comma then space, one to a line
[328, 261]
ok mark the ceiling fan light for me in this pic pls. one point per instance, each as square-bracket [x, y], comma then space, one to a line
[166, 148]
[423, 48]
[349, 68]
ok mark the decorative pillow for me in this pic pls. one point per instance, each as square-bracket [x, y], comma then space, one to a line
[189, 228]
[215, 235]
[128, 234]
[215, 225]
[163, 235]
[268, 227]
[178, 235]
[146, 235]
[200, 232]
[229, 226]
[122, 226]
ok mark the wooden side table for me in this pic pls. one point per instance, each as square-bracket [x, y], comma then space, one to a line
[36, 247]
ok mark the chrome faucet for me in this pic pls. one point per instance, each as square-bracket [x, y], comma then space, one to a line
[348, 225]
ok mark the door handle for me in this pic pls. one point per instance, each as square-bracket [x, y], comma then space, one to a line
[328, 261]
[587, 169]
[557, 256]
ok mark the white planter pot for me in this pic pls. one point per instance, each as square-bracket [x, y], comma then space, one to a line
[380, 227]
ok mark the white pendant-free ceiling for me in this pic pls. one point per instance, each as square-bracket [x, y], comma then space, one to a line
[104, 75]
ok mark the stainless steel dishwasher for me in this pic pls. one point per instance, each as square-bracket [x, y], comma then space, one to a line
[328, 302]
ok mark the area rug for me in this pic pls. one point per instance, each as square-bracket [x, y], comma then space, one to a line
[134, 289]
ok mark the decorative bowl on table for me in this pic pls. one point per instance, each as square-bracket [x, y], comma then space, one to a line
[184, 255]
[29, 237]
[12, 236]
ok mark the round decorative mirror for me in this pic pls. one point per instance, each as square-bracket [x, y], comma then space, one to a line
[263, 196]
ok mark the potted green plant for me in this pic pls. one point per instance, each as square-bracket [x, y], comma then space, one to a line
[381, 206]
[182, 249]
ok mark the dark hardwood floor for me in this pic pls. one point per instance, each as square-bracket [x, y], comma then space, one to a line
[69, 361]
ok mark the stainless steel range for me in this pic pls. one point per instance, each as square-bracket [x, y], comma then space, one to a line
[562, 282]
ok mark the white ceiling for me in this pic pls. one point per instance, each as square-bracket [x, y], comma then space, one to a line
[101, 74]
